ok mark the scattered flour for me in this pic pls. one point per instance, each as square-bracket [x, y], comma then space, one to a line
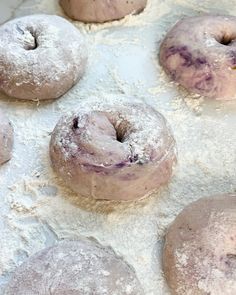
[37, 210]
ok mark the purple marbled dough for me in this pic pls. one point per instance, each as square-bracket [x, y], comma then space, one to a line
[113, 151]
[200, 54]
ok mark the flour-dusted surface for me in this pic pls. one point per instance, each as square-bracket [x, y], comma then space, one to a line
[6, 138]
[109, 148]
[200, 248]
[36, 208]
[41, 57]
[75, 267]
[202, 62]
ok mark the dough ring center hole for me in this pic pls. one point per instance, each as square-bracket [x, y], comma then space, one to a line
[226, 40]
[119, 135]
[32, 45]
[122, 129]
[75, 123]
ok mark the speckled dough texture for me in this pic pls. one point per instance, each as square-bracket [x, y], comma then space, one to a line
[200, 248]
[6, 138]
[100, 11]
[200, 54]
[115, 149]
[41, 57]
[81, 267]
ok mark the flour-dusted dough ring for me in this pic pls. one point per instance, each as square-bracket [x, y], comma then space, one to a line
[41, 57]
[81, 267]
[200, 54]
[113, 150]
[200, 248]
[100, 11]
[6, 139]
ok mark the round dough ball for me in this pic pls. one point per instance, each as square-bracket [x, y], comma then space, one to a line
[41, 57]
[100, 11]
[200, 54]
[80, 267]
[200, 248]
[114, 149]
[6, 139]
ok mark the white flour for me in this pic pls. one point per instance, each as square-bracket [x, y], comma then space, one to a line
[36, 208]
[41, 37]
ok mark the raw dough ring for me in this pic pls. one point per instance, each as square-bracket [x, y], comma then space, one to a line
[80, 267]
[200, 54]
[200, 248]
[41, 57]
[6, 139]
[100, 11]
[113, 150]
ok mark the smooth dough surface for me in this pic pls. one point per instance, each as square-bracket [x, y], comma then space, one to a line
[113, 149]
[200, 54]
[200, 249]
[41, 57]
[100, 11]
[81, 267]
[6, 138]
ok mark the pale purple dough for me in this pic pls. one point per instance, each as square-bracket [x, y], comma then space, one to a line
[113, 150]
[199, 256]
[200, 54]
[81, 267]
[41, 57]
[6, 139]
[100, 11]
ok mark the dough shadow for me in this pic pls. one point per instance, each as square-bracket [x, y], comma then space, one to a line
[22, 103]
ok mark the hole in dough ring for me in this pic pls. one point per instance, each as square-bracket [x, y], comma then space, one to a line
[200, 249]
[113, 150]
[100, 11]
[41, 57]
[72, 268]
[199, 53]
[6, 139]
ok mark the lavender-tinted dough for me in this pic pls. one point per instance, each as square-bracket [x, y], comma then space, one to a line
[200, 54]
[6, 139]
[200, 248]
[100, 11]
[113, 150]
[41, 57]
[80, 267]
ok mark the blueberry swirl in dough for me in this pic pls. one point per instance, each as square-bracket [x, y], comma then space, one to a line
[200, 54]
[114, 149]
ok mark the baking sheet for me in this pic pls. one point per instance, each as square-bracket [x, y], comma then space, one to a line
[37, 210]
